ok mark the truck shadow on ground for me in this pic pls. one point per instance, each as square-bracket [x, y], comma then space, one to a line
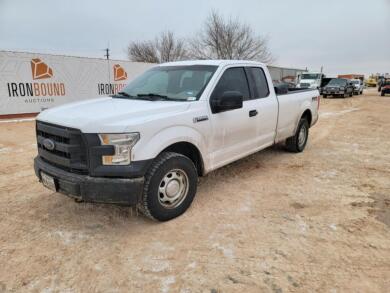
[66, 211]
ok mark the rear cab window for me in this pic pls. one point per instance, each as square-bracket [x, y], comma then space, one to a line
[257, 82]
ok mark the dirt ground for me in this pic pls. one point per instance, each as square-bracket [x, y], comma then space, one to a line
[272, 222]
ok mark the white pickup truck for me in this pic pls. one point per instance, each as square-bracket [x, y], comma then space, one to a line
[312, 80]
[147, 145]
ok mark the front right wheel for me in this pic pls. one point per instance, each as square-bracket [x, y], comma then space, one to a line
[297, 142]
[170, 187]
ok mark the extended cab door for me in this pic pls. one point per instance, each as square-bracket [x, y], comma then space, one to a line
[266, 103]
[234, 132]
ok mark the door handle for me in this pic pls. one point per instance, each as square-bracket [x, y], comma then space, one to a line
[253, 113]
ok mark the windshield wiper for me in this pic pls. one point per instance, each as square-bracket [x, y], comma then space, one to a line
[148, 97]
[158, 96]
[153, 95]
[125, 94]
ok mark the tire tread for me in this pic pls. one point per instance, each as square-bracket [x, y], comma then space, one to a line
[142, 205]
[292, 142]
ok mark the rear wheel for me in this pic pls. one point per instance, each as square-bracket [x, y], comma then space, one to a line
[170, 187]
[382, 94]
[351, 94]
[297, 142]
[325, 96]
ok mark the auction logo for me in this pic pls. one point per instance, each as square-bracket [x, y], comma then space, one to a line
[113, 88]
[39, 70]
[119, 73]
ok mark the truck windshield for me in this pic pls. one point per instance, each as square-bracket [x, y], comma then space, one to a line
[337, 81]
[180, 83]
[355, 82]
[310, 76]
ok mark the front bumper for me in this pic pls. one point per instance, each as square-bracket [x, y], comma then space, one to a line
[332, 92]
[126, 191]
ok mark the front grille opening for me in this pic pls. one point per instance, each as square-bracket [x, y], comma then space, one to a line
[56, 138]
[72, 170]
[55, 152]
[70, 152]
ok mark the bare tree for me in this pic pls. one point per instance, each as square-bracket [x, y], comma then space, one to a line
[143, 52]
[164, 48]
[229, 39]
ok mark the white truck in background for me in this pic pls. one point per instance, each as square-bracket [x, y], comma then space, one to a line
[147, 145]
[311, 80]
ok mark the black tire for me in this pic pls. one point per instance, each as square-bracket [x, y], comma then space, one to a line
[361, 92]
[382, 94]
[325, 96]
[150, 204]
[351, 94]
[292, 143]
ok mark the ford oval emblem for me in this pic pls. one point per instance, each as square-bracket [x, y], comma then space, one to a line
[49, 144]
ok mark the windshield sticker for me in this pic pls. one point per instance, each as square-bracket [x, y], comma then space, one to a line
[191, 99]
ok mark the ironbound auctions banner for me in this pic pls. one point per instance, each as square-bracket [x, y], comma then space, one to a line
[30, 83]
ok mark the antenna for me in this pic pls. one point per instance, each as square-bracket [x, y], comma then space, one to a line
[107, 55]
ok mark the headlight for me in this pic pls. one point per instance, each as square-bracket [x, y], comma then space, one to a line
[123, 143]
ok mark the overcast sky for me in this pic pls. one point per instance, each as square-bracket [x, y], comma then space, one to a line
[345, 36]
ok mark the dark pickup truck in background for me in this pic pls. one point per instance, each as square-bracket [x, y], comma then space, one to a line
[385, 87]
[340, 87]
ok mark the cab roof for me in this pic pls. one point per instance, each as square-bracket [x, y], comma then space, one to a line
[210, 62]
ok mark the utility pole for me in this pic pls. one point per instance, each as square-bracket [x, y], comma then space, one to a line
[108, 63]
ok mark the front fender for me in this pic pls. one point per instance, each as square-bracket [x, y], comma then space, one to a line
[150, 148]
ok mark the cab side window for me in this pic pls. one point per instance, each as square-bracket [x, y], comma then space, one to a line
[233, 79]
[258, 82]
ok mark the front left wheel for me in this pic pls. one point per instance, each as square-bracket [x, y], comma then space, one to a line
[170, 187]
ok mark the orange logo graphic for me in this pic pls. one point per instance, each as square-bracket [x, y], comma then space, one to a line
[119, 73]
[40, 70]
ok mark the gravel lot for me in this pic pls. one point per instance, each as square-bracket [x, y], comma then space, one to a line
[272, 222]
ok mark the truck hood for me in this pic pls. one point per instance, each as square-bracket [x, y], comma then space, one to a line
[333, 86]
[107, 114]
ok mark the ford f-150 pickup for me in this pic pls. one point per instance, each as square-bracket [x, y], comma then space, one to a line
[147, 145]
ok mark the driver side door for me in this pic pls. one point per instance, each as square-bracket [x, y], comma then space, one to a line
[234, 132]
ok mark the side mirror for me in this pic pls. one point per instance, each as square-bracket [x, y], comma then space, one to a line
[229, 100]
